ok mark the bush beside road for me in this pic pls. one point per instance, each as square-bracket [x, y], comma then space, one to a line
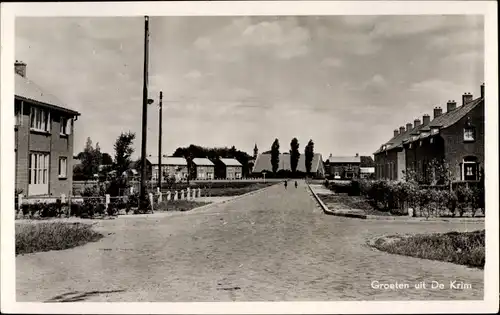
[464, 248]
[42, 237]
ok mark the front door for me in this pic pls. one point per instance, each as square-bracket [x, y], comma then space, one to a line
[38, 174]
[470, 171]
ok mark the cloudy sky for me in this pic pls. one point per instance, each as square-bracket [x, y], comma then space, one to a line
[345, 82]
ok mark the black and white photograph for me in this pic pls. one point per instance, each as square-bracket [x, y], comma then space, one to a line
[248, 154]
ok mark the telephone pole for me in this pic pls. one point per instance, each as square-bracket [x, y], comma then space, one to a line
[144, 113]
[159, 141]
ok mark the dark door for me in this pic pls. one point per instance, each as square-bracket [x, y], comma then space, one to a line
[470, 171]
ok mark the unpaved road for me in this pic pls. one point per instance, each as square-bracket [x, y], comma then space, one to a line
[275, 245]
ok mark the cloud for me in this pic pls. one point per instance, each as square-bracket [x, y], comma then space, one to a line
[193, 74]
[332, 62]
[282, 38]
[377, 81]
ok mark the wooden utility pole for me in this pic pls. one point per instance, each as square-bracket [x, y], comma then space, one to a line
[144, 112]
[159, 141]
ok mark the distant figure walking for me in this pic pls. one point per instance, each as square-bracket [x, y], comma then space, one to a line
[286, 183]
[295, 184]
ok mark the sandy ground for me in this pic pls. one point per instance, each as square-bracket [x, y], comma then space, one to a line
[274, 245]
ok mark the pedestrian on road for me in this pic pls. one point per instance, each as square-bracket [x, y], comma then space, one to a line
[286, 183]
[295, 184]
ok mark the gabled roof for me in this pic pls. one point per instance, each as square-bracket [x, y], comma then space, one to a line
[422, 131]
[202, 162]
[263, 163]
[344, 159]
[231, 162]
[168, 160]
[28, 90]
[450, 118]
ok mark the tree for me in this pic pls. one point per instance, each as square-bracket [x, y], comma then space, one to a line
[294, 154]
[90, 158]
[309, 155]
[123, 151]
[106, 159]
[275, 155]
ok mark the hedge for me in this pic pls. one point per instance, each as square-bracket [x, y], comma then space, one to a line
[398, 197]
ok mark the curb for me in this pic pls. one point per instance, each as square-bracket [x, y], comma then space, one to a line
[330, 212]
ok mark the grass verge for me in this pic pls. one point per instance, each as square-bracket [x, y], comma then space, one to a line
[179, 205]
[42, 237]
[463, 248]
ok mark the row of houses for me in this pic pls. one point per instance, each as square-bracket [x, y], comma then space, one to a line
[203, 168]
[454, 137]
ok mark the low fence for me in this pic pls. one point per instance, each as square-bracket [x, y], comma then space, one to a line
[52, 206]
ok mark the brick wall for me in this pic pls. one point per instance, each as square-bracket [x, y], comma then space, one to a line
[57, 146]
[201, 171]
[343, 168]
[455, 147]
[386, 165]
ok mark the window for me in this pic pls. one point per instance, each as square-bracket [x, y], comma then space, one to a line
[63, 166]
[19, 112]
[39, 168]
[431, 140]
[40, 119]
[434, 131]
[469, 134]
[65, 126]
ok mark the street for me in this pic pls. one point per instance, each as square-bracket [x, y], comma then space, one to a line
[275, 245]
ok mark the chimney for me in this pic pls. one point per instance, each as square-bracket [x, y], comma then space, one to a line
[482, 90]
[438, 111]
[396, 132]
[426, 119]
[466, 98]
[401, 130]
[409, 126]
[416, 122]
[20, 68]
[451, 105]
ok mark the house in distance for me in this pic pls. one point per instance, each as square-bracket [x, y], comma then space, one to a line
[228, 169]
[204, 168]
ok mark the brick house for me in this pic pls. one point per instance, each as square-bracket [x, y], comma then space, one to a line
[455, 137]
[171, 167]
[343, 167]
[204, 168]
[43, 139]
[228, 169]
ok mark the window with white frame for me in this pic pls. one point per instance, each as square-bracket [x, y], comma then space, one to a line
[39, 168]
[40, 119]
[63, 167]
[469, 134]
[65, 126]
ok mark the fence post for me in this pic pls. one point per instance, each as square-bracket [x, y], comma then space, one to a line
[108, 200]
[160, 197]
[169, 195]
[131, 190]
[176, 195]
[19, 202]
[188, 193]
[151, 201]
[69, 206]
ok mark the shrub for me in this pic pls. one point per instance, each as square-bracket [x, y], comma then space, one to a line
[465, 198]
